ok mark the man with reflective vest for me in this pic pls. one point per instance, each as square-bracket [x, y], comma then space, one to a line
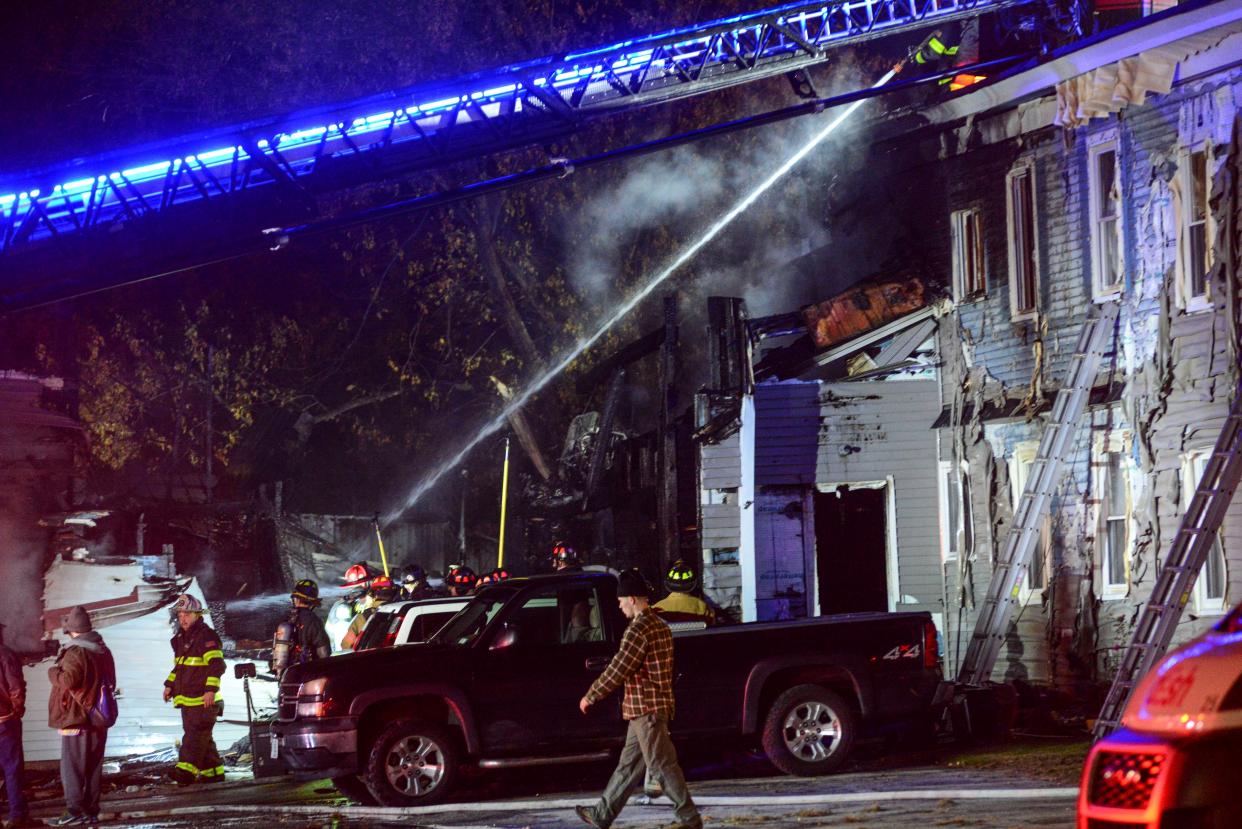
[198, 664]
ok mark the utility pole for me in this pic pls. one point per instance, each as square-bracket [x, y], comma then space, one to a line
[666, 509]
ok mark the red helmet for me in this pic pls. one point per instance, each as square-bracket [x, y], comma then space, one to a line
[495, 577]
[563, 553]
[358, 575]
[461, 576]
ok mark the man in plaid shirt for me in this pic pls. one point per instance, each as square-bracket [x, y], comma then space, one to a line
[644, 665]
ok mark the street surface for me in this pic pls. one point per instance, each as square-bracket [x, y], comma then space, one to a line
[913, 796]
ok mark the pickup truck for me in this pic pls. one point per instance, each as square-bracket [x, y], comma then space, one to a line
[407, 622]
[498, 687]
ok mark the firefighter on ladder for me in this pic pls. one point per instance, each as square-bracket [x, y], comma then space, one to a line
[198, 664]
[940, 53]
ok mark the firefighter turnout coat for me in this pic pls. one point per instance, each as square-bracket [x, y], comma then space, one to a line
[198, 664]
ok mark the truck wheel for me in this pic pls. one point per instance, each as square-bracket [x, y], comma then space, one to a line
[412, 764]
[809, 730]
[351, 786]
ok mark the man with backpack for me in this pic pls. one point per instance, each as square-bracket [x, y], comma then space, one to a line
[198, 664]
[12, 707]
[84, 671]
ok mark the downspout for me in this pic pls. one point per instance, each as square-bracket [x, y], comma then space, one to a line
[746, 499]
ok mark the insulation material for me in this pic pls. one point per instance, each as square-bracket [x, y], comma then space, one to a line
[859, 310]
[1110, 88]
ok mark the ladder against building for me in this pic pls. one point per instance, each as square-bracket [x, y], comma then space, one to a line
[1054, 447]
[1187, 553]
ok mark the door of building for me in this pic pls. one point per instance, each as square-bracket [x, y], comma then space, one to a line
[851, 549]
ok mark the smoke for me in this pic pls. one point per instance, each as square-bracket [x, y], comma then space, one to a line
[665, 198]
[22, 545]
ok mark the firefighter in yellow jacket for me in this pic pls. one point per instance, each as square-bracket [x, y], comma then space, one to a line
[198, 664]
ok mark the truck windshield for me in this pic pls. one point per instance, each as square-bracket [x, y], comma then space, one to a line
[466, 626]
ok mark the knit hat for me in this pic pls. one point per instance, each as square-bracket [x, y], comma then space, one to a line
[632, 583]
[78, 621]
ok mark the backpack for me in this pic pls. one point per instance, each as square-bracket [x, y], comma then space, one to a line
[104, 712]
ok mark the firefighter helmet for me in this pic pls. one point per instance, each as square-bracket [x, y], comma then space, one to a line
[681, 578]
[187, 604]
[307, 591]
[359, 575]
[562, 553]
[494, 577]
[461, 576]
[414, 575]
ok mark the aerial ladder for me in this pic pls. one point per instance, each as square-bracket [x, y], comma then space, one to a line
[1199, 529]
[1055, 446]
[233, 175]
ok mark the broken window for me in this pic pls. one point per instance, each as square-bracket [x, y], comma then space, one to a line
[1194, 248]
[1105, 188]
[1023, 276]
[969, 280]
[1210, 585]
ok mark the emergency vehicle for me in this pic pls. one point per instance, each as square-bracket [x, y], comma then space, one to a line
[1176, 760]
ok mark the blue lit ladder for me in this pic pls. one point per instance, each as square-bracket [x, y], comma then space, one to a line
[1188, 551]
[1055, 444]
[433, 124]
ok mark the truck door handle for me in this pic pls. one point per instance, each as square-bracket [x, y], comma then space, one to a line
[597, 663]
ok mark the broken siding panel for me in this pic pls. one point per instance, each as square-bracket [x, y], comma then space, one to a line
[721, 464]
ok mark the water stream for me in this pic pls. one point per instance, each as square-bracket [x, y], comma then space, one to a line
[688, 253]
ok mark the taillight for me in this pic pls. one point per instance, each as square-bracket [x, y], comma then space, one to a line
[931, 648]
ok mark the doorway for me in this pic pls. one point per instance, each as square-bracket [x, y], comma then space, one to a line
[851, 549]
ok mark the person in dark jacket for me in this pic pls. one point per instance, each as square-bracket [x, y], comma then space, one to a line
[82, 666]
[12, 707]
[310, 638]
[198, 664]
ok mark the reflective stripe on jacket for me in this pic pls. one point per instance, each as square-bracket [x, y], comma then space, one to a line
[198, 664]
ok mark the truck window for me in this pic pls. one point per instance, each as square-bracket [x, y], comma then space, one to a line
[559, 617]
[465, 627]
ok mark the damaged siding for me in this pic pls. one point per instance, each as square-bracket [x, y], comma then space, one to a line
[1171, 378]
[720, 474]
[828, 434]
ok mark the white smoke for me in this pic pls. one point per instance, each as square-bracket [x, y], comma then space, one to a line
[22, 545]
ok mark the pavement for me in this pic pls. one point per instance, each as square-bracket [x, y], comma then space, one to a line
[926, 792]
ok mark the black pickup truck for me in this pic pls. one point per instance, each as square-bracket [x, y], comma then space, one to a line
[499, 686]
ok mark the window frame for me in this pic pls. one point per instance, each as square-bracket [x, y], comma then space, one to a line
[1192, 470]
[1118, 443]
[972, 284]
[950, 486]
[1188, 301]
[1019, 462]
[1024, 168]
[1101, 144]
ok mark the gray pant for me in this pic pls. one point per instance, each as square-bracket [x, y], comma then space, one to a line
[81, 767]
[647, 745]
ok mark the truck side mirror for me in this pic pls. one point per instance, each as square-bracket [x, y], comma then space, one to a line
[244, 669]
[506, 638]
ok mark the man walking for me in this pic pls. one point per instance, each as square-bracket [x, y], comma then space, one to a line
[82, 666]
[198, 664]
[12, 707]
[644, 665]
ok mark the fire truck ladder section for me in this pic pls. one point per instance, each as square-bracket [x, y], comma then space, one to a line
[434, 124]
[1054, 447]
[1187, 553]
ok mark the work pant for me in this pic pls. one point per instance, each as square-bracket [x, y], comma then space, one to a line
[12, 760]
[647, 745]
[81, 768]
[198, 755]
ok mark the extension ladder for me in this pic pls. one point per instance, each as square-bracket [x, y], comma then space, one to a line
[1187, 554]
[1054, 447]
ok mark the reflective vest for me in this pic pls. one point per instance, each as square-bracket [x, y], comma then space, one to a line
[198, 664]
[935, 51]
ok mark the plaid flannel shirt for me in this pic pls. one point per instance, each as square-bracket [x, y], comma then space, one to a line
[644, 664]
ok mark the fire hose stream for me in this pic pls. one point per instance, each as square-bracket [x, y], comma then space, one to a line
[655, 281]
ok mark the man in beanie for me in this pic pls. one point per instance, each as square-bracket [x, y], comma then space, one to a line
[82, 666]
[198, 664]
[644, 665]
[12, 707]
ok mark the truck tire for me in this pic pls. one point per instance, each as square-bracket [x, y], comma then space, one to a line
[351, 786]
[809, 730]
[412, 763]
